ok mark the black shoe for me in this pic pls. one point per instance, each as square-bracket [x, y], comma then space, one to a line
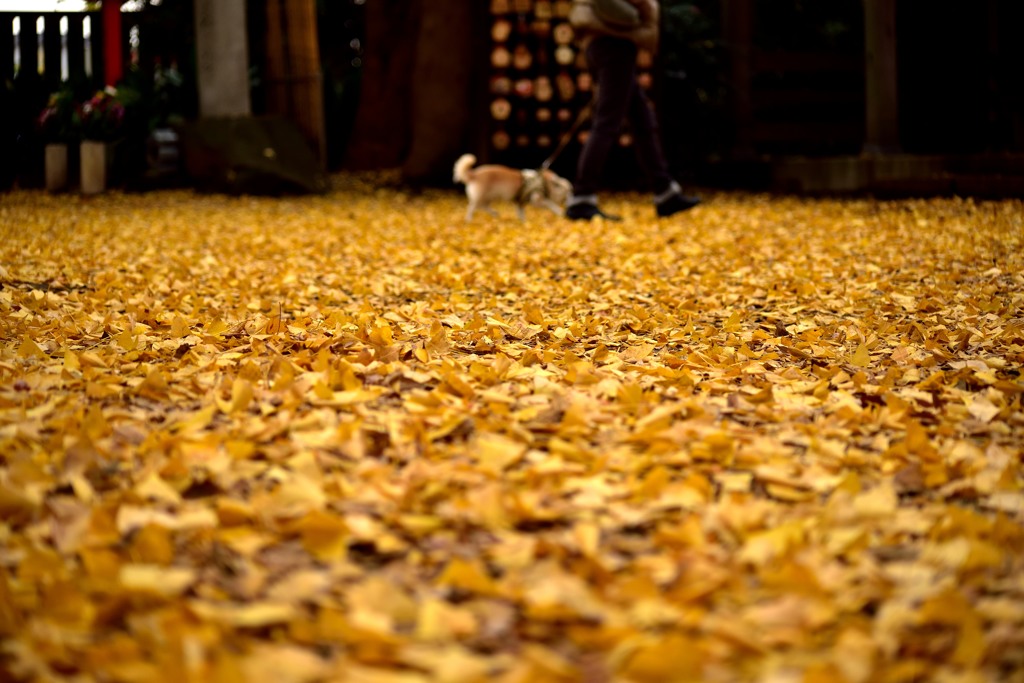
[675, 203]
[584, 211]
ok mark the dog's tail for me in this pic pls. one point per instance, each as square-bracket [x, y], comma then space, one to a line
[461, 172]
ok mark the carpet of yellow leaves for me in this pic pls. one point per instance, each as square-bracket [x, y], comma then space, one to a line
[352, 438]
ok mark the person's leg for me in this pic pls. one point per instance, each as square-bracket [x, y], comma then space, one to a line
[668, 196]
[612, 63]
[647, 140]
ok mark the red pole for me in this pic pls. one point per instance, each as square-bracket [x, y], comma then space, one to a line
[113, 63]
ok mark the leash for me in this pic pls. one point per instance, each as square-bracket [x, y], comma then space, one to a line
[580, 118]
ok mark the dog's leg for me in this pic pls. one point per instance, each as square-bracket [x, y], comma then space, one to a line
[520, 212]
[469, 211]
[552, 206]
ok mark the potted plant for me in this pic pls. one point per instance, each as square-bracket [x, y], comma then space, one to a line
[149, 152]
[56, 125]
[100, 121]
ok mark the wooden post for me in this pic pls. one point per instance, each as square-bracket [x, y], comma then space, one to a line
[96, 43]
[113, 56]
[738, 23]
[51, 50]
[882, 94]
[76, 47]
[995, 118]
[6, 46]
[28, 45]
[222, 58]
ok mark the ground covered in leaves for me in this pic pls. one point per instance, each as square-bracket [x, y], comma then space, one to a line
[353, 438]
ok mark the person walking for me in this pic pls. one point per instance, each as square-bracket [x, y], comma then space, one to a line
[611, 32]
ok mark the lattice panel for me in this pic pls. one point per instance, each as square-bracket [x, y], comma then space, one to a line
[539, 80]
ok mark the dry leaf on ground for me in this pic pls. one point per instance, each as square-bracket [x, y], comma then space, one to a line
[352, 438]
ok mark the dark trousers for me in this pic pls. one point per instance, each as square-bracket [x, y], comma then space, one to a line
[612, 63]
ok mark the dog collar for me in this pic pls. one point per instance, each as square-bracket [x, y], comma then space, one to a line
[532, 183]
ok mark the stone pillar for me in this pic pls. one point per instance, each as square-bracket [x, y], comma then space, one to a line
[222, 58]
[882, 132]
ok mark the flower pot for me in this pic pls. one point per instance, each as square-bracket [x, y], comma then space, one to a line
[95, 163]
[56, 163]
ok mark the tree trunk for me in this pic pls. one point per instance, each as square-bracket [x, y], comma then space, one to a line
[382, 128]
[421, 64]
[738, 23]
[443, 80]
[882, 116]
[294, 79]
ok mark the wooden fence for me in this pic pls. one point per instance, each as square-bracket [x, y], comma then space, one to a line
[56, 46]
[59, 46]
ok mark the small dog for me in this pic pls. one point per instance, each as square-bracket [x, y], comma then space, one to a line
[493, 182]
